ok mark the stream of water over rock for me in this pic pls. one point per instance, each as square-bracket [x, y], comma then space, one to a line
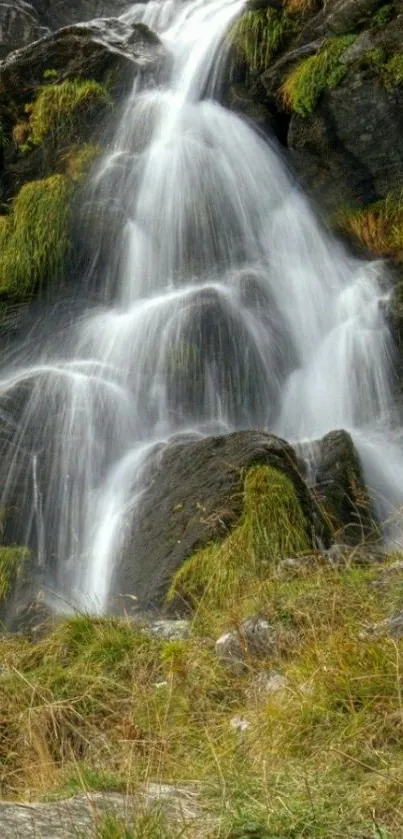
[232, 309]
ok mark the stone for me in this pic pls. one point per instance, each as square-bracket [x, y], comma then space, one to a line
[193, 496]
[98, 50]
[57, 13]
[339, 487]
[345, 16]
[254, 638]
[349, 150]
[19, 25]
[169, 630]
[80, 815]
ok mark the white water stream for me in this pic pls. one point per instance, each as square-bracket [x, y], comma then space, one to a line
[232, 309]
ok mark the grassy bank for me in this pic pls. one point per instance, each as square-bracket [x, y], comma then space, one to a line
[100, 705]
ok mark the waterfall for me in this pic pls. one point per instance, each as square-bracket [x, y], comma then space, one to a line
[227, 306]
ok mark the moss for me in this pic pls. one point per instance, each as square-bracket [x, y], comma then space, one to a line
[392, 71]
[272, 526]
[11, 561]
[80, 159]
[59, 108]
[383, 15]
[378, 227]
[34, 236]
[303, 86]
[259, 35]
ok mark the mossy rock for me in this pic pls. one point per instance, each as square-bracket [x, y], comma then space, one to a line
[273, 526]
[198, 488]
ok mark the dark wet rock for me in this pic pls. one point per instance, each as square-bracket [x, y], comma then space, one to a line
[194, 496]
[109, 52]
[394, 315]
[349, 149]
[102, 50]
[340, 489]
[58, 13]
[19, 25]
[346, 15]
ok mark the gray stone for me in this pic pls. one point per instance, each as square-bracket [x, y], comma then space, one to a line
[79, 816]
[346, 15]
[169, 630]
[19, 25]
[255, 638]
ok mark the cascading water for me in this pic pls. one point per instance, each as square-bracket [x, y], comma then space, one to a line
[231, 309]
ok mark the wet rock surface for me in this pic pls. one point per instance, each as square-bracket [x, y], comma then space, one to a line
[19, 25]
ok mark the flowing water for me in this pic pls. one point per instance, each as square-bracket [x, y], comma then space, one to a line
[227, 307]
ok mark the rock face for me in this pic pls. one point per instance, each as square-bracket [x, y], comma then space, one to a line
[57, 13]
[19, 25]
[346, 145]
[349, 149]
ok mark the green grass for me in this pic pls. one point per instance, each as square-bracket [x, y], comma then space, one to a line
[378, 227]
[59, 109]
[302, 88]
[34, 237]
[259, 35]
[97, 705]
[273, 526]
[12, 559]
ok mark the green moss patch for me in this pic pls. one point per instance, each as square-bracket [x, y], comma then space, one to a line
[34, 237]
[308, 80]
[61, 108]
[272, 526]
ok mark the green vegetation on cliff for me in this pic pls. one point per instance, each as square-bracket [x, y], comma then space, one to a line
[34, 237]
[303, 86]
[259, 35]
[58, 109]
[272, 526]
[378, 227]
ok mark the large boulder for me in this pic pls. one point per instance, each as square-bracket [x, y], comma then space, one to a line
[194, 496]
[102, 49]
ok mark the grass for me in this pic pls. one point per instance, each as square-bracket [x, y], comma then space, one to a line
[273, 526]
[34, 236]
[59, 108]
[311, 77]
[259, 35]
[12, 559]
[378, 227]
[98, 705]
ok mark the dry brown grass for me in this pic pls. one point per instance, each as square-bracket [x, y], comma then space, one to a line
[379, 228]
